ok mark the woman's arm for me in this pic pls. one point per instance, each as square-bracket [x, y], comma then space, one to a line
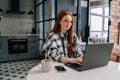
[54, 50]
[78, 51]
[71, 60]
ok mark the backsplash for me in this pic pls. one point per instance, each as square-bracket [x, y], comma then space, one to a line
[16, 24]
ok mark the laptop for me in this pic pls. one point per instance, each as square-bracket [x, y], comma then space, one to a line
[96, 55]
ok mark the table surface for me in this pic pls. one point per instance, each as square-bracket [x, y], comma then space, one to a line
[108, 72]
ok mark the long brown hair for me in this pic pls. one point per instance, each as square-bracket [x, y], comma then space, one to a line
[57, 28]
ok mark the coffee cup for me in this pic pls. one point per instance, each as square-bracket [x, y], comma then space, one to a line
[45, 65]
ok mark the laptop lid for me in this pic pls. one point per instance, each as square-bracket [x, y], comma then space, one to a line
[96, 55]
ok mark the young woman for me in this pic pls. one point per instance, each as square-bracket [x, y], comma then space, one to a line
[62, 44]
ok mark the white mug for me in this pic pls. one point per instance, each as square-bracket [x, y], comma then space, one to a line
[45, 65]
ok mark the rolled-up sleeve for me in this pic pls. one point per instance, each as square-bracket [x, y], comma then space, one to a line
[55, 52]
[52, 49]
[45, 46]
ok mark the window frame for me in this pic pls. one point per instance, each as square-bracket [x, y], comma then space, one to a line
[103, 16]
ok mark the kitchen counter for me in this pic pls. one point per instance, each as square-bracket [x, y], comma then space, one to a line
[11, 44]
[20, 34]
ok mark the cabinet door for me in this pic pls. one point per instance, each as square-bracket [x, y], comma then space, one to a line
[33, 46]
[0, 50]
[3, 49]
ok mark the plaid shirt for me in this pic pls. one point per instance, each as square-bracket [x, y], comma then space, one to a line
[53, 46]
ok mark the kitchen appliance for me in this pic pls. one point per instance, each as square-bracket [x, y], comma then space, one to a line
[15, 7]
[17, 46]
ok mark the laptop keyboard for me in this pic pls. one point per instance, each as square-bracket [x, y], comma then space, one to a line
[73, 65]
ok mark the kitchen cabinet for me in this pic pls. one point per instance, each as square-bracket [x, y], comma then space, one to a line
[0, 49]
[3, 49]
[32, 48]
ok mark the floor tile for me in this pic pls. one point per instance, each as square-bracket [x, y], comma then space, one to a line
[16, 70]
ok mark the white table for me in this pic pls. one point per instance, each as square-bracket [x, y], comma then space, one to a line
[108, 72]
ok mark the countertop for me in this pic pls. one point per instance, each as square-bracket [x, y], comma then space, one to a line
[20, 35]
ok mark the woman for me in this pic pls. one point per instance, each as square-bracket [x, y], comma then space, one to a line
[62, 44]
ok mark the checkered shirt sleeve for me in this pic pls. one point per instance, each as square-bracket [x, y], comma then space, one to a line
[53, 47]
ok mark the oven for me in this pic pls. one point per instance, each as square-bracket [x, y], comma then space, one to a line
[17, 46]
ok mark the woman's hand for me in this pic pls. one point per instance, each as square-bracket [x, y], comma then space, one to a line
[75, 60]
[80, 58]
[72, 60]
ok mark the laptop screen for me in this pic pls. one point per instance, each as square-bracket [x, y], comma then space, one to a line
[97, 55]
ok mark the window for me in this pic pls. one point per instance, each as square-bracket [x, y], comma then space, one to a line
[98, 19]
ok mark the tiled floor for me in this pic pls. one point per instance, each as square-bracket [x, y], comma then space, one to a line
[16, 70]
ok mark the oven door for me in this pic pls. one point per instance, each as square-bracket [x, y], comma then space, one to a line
[17, 46]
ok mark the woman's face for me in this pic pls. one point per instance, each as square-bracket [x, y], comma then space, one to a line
[66, 23]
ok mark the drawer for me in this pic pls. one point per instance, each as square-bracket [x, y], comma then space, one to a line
[34, 43]
[34, 51]
[33, 39]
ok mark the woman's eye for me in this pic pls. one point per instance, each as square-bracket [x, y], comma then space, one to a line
[68, 21]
